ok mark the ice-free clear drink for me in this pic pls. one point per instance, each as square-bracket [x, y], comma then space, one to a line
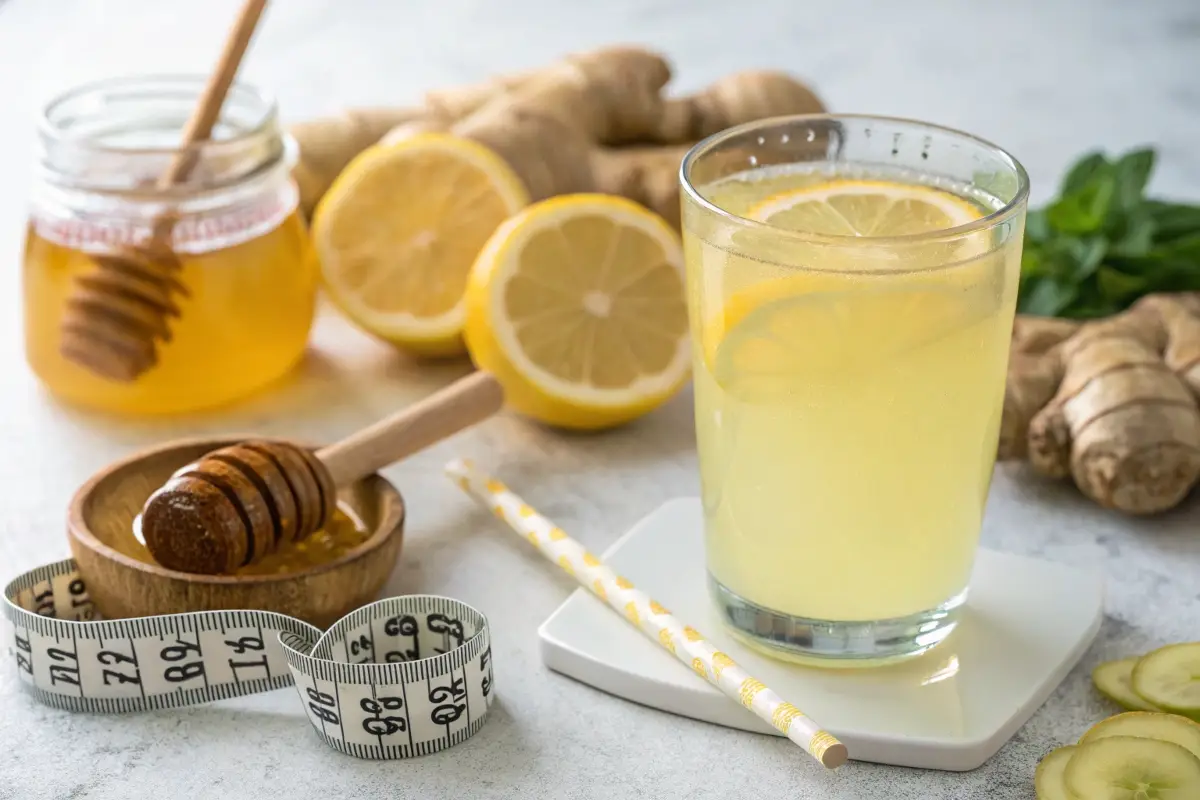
[849, 375]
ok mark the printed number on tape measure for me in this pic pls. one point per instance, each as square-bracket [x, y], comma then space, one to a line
[401, 677]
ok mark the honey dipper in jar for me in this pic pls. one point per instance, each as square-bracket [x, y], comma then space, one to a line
[119, 312]
[237, 504]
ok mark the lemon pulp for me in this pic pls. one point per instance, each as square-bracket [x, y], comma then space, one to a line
[577, 304]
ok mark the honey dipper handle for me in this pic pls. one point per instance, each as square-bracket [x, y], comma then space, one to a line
[208, 109]
[461, 404]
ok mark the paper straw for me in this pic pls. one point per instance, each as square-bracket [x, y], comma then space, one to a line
[648, 616]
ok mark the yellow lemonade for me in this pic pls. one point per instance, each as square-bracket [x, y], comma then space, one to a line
[848, 387]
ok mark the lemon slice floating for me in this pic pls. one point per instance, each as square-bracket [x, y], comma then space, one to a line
[854, 307]
[577, 305]
[866, 208]
[398, 231]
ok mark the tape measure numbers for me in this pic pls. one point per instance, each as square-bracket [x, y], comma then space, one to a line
[401, 677]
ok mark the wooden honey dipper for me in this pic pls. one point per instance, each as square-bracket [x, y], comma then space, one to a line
[119, 312]
[237, 504]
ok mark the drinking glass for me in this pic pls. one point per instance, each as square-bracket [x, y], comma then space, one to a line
[852, 282]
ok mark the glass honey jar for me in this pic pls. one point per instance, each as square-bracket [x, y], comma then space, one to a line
[144, 296]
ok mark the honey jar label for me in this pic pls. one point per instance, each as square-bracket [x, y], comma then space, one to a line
[193, 232]
[400, 677]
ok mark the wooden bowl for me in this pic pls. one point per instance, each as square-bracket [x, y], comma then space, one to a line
[121, 585]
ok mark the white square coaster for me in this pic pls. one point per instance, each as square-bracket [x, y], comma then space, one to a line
[1027, 622]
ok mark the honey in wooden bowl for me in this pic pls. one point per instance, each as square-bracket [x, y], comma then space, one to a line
[338, 537]
[345, 568]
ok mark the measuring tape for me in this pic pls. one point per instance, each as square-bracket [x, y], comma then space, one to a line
[401, 677]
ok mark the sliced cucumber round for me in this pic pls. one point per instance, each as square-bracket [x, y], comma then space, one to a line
[1048, 780]
[1132, 768]
[1169, 677]
[1149, 725]
[1112, 679]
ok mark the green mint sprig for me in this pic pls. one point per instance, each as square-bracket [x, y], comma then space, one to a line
[1103, 244]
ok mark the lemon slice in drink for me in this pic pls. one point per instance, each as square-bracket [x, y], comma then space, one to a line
[398, 231]
[577, 305]
[857, 305]
[866, 208]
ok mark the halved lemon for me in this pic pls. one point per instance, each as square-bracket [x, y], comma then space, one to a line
[866, 208]
[577, 304]
[398, 231]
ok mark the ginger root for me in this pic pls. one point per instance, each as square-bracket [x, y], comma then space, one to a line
[1111, 403]
[648, 175]
[328, 145]
[611, 97]
[732, 100]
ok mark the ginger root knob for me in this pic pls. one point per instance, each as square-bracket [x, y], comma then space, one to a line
[1111, 403]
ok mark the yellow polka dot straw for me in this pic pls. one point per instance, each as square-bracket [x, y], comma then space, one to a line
[648, 616]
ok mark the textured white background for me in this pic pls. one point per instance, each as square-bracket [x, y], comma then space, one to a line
[1045, 78]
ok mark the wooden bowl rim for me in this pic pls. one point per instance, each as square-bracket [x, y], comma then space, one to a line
[77, 528]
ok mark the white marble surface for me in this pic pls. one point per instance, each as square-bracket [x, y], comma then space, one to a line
[1046, 78]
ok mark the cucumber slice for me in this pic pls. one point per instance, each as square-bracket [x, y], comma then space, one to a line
[1112, 679]
[1048, 780]
[1149, 725]
[1169, 677]
[1131, 768]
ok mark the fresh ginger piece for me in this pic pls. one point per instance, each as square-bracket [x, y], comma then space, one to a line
[737, 98]
[1110, 403]
[327, 145]
[611, 97]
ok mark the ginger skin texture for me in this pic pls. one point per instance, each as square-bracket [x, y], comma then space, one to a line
[1110, 403]
[623, 136]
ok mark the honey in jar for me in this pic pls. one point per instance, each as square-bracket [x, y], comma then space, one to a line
[244, 280]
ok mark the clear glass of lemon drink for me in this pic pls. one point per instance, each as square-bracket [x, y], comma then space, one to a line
[852, 282]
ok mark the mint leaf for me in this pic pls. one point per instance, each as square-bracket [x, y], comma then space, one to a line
[1184, 250]
[1132, 173]
[1086, 209]
[1172, 219]
[1119, 288]
[1137, 238]
[1037, 227]
[1048, 297]
[1087, 255]
[1084, 171]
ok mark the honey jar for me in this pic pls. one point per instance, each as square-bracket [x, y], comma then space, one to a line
[223, 254]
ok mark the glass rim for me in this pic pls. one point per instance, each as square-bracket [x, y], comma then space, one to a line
[989, 220]
[267, 123]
